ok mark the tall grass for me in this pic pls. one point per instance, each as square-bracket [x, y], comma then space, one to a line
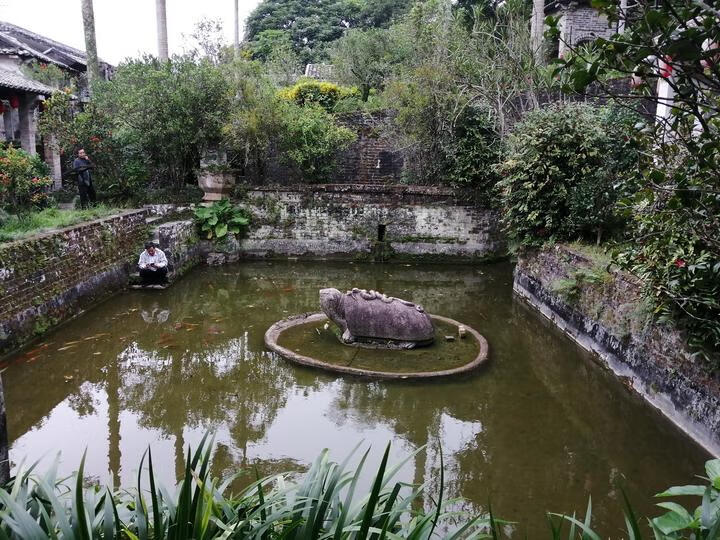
[323, 503]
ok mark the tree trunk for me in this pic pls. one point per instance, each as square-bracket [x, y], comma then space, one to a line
[365, 91]
[537, 28]
[93, 68]
[161, 17]
[237, 27]
[623, 16]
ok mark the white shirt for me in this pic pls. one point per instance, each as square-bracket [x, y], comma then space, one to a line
[159, 259]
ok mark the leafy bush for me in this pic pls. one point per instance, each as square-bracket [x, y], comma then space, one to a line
[563, 174]
[310, 138]
[324, 94]
[149, 125]
[24, 180]
[172, 111]
[263, 125]
[474, 154]
[672, 242]
[672, 246]
[221, 218]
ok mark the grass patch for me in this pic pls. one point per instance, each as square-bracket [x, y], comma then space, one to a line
[16, 227]
[598, 255]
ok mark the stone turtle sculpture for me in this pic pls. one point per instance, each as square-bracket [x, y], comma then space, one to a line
[372, 319]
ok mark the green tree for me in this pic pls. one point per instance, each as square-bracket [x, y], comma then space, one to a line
[366, 58]
[487, 66]
[255, 119]
[266, 42]
[313, 24]
[672, 244]
[172, 109]
[382, 13]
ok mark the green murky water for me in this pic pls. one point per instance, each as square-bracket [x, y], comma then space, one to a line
[539, 428]
[317, 341]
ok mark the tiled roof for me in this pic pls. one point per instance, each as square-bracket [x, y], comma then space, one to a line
[12, 45]
[18, 81]
[44, 49]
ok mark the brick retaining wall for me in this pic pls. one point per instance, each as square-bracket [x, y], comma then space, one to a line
[51, 277]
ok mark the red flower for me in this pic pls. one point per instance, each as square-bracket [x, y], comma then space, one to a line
[666, 68]
[680, 263]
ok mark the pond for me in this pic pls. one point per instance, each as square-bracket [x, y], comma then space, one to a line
[540, 427]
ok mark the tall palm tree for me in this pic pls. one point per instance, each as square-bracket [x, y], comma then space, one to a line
[93, 68]
[237, 27]
[162, 36]
[537, 27]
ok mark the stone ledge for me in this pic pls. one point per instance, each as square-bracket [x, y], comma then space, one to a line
[394, 189]
[273, 333]
[71, 228]
[654, 362]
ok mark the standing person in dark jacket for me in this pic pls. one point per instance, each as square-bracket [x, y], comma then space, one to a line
[82, 167]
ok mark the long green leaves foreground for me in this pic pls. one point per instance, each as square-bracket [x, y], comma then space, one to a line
[322, 503]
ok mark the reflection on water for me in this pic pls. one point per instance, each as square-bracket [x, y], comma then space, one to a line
[540, 428]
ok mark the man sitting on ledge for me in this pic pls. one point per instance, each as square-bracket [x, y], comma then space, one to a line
[153, 266]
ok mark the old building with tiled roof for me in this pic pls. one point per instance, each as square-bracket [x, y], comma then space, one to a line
[21, 95]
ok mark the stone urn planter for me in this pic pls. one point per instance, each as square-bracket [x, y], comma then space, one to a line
[215, 183]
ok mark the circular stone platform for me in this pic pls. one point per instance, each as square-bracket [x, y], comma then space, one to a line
[275, 332]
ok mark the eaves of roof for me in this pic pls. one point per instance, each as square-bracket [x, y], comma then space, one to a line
[18, 81]
[23, 50]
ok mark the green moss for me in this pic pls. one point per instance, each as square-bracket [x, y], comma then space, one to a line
[382, 251]
[43, 324]
[358, 231]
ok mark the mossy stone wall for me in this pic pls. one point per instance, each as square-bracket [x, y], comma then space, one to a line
[358, 221]
[50, 277]
[604, 312]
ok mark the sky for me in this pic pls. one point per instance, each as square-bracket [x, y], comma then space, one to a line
[124, 28]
